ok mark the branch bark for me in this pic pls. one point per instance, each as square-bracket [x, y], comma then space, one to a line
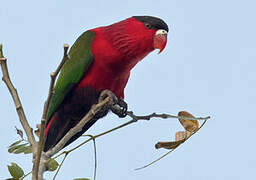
[36, 171]
[17, 102]
[104, 104]
[41, 158]
[134, 119]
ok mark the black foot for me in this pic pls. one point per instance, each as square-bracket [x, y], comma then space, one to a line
[121, 111]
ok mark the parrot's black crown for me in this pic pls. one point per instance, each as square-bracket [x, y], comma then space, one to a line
[152, 22]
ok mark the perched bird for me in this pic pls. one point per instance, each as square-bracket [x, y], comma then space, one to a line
[100, 59]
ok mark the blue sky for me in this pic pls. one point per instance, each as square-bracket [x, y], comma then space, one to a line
[207, 68]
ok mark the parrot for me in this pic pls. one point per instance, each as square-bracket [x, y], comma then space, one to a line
[100, 59]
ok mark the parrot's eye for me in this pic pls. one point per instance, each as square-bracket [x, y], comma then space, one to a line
[148, 26]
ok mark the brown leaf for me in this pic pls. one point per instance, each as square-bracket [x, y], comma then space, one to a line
[169, 145]
[180, 135]
[19, 132]
[189, 125]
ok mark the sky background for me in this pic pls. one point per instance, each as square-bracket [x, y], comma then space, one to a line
[207, 68]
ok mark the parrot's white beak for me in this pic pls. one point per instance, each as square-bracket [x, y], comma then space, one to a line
[160, 40]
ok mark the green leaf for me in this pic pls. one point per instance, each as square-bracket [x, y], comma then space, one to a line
[53, 165]
[28, 150]
[15, 171]
[20, 150]
[15, 143]
[15, 147]
[81, 179]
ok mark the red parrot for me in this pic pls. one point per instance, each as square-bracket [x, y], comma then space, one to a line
[100, 59]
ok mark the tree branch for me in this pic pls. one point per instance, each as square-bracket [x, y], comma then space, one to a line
[67, 153]
[163, 116]
[41, 159]
[16, 99]
[161, 157]
[55, 175]
[104, 104]
[95, 155]
[134, 119]
[46, 106]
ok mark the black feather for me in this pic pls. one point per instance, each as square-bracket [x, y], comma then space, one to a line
[156, 23]
[73, 108]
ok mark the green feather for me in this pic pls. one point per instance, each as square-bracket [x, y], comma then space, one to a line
[73, 70]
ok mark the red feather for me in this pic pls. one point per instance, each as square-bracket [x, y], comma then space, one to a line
[116, 50]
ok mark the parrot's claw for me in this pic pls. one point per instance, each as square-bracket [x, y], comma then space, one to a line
[121, 111]
[117, 106]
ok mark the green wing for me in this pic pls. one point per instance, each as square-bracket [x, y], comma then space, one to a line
[80, 60]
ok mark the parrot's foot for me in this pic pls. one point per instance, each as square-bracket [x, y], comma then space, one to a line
[117, 106]
[107, 93]
[121, 111]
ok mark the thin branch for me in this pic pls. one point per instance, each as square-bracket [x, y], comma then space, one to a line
[95, 155]
[26, 175]
[46, 106]
[135, 118]
[55, 175]
[94, 137]
[164, 116]
[161, 157]
[106, 103]
[95, 159]
[16, 99]
[68, 152]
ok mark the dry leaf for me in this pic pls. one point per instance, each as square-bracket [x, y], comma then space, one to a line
[168, 145]
[180, 135]
[19, 132]
[189, 125]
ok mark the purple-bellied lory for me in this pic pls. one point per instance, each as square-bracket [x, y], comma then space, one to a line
[100, 59]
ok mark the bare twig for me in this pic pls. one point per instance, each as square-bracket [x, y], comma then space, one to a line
[55, 175]
[41, 160]
[161, 157]
[95, 156]
[135, 118]
[67, 153]
[16, 99]
[46, 106]
[163, 116]
[94, 137]
[26, 175]
[107, 102]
